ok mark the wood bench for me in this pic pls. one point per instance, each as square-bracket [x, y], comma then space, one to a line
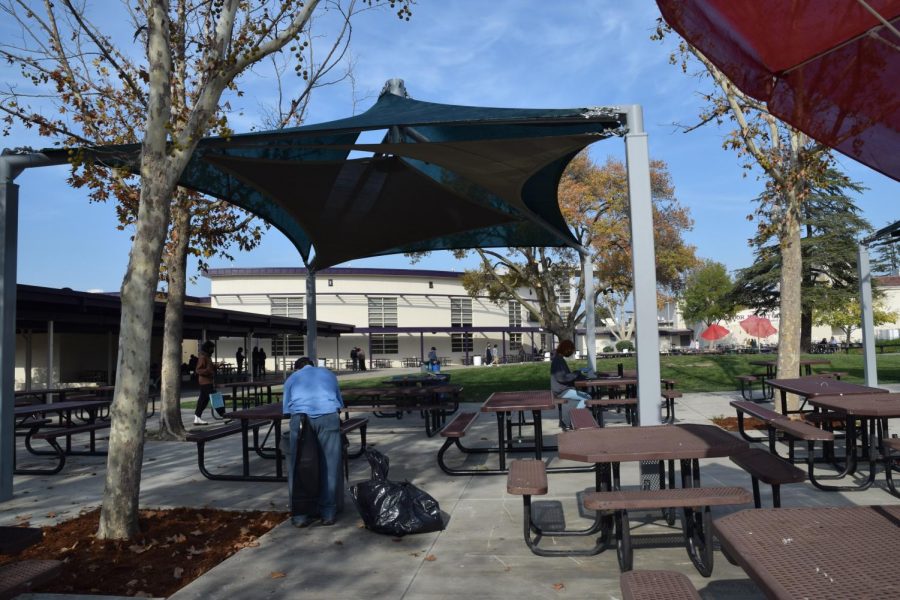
[202, 436]
[768, 468]
[696, 524]
[668, 403]
[51, 434]
[527, 478]
[790, 429]
[453, 431]
[746, 382]
[601, 404]
[434, 414]
[23, 576]
[582, 418]
[348, 425]
[647, 585]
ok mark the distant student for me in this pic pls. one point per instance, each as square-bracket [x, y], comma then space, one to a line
[239, 358]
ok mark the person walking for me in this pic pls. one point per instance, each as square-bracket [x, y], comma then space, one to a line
[433, 357]
[361, 357]
[313, 392]
[206, 377]
[488, 356]
[496, 356]
[354, 361]
[254, 361]
[262, 363]
[239, 358]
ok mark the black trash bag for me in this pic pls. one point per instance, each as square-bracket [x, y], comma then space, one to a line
[394, 508]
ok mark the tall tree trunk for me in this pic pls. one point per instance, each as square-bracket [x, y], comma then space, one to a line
[170, 424]
[119, 513]
[806, 324]
[792, 264]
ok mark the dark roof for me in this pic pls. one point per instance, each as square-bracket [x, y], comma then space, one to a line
[301, 272]
[83, 312]
[444, 177]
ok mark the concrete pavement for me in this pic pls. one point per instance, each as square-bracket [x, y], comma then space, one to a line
[480, 554]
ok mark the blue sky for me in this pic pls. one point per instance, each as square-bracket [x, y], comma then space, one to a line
[512, 53]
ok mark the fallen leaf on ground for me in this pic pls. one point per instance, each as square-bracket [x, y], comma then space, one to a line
[179, 571]
[277, 574]
[559, 586]
[23, 517]
[431, 558]
[137, 549]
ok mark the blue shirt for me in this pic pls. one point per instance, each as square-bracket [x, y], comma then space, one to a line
[312, 390]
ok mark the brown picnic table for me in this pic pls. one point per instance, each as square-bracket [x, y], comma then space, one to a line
[613, 387]
[822, 553]
[810, 387]
[32, 420]
[873, 412]
[252, 392]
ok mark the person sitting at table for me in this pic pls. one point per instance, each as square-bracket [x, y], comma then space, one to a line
[562, 380]
[206, 377]
[314, 392]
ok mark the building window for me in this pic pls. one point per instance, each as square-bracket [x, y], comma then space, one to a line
[460, 312]
[564, 294]
[286, 306]
[515, 341]
[382, 312]
[291, 346]
[515, 314]
[461, 342]
[430, 285]
[385, 343]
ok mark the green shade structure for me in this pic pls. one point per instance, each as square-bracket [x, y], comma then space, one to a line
[443, 177]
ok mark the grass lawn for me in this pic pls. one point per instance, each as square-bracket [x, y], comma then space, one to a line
[694, 373]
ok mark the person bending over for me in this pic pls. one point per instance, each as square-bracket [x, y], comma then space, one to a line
[314, 391]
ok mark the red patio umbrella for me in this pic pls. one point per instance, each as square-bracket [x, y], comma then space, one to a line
[758, 327]
[828, 67]
[714, 332]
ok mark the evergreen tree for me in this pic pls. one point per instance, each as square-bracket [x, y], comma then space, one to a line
[831, 226]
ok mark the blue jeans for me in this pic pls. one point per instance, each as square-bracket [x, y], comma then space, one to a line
[328, 431]
[571, 394]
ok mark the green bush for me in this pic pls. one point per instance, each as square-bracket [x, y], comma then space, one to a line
[608, 349]
[624, 345]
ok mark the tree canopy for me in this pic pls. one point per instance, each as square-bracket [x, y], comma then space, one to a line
[594, 200]
[707, 295]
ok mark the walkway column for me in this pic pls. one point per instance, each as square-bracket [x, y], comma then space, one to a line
[311, 323]
[9, 224]
[590, 326]
[868, 317]
[28, 353]
[49, 357]
[637, 157]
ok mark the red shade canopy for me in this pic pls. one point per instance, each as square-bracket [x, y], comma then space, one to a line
[714, 332]
[830, 68]
[758, 326]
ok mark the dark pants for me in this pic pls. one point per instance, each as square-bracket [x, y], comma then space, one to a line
[203, 401]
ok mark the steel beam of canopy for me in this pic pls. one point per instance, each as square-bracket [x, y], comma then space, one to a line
[311, 324]
[590, 333]
[637, 158]
[11, 166]
[868, 318]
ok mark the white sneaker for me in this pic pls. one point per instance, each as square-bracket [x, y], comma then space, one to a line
[199, 421]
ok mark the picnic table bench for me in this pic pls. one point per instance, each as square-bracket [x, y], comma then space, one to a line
[642, 585]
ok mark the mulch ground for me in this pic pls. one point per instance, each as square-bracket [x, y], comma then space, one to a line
[730, 423]
[175, 547]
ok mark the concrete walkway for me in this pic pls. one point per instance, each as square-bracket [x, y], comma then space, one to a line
[480, 554]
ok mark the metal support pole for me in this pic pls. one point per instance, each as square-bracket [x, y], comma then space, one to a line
[868, 317]
[311, 323]
[28, 356]
[637, 156]
[9, 221]
[50, 361]
[590, 327]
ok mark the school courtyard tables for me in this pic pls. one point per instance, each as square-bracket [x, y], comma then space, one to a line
[873, 412]
[847, 552]
[810, 387]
